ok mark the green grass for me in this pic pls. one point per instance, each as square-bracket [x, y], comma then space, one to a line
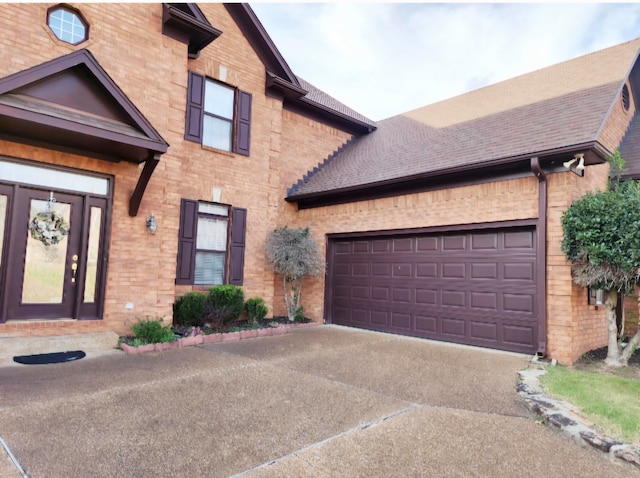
[610, 402]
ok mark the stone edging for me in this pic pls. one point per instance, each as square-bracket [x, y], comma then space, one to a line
[566, 418]
[215, 338]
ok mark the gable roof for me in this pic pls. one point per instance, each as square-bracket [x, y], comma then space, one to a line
[71, 104]
[297, 94]
[551, 111]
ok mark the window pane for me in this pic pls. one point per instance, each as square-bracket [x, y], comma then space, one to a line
[92, 255]
[45, 265]
[52, 178]
[217, 209]
[218, 100]
[209, 268]
[216, 133]
[212, 234]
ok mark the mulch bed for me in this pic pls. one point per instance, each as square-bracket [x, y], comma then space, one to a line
[183, 331]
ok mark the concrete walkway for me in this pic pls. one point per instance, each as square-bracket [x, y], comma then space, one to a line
[318, 402]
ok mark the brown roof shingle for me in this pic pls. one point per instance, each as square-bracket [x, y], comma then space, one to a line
[559, 106]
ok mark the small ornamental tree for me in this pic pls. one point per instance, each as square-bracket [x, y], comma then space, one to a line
[294, 254]
[601, 238]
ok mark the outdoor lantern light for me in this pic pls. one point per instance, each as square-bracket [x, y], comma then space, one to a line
[152, 225]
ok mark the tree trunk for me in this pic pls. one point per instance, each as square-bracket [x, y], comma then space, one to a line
[630, 348]
[613, 350]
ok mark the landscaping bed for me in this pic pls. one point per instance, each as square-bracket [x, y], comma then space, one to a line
[184, 336]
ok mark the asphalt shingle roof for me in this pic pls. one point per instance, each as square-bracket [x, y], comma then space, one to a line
[320, 97]
[562, 105]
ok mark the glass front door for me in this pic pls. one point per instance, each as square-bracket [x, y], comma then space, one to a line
[53, 255]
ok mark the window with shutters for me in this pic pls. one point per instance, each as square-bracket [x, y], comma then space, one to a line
[218, 115]
[211, 244]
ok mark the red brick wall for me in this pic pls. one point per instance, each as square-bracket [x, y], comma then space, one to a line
[499, 201]
[151, 69]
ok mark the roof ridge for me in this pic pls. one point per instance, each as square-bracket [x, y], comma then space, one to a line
[312, 172]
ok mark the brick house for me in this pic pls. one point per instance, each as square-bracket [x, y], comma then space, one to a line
[118, 120]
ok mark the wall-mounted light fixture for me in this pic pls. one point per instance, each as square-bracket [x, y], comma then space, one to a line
[573, 167]
[152, 225]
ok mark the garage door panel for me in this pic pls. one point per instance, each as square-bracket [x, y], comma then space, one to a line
[381, 245]
[425, 323]
[477, 287]
[360, 269]
[380, 293]
[518, 302]
[427, 244]
[453, 270]
[484, 331]
[403, 245]
[519, 271]
[520, 335]
[381, 269]
[454, 243]
[482, 270]
[379, 317]
[402, 321]
[426, 296]
[401, 294]
[427, 269]
[451, 326]
[484, 300]
[484, 242]
[454, 298]
[361, 247]
[519, 240]
[360, 292]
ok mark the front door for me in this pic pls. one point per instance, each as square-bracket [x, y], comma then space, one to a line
[45, 243]
[54, 252]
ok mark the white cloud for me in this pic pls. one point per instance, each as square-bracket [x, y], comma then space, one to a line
[386, 58]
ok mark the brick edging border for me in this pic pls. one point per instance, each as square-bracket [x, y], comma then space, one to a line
[561, 416]
[215, 338]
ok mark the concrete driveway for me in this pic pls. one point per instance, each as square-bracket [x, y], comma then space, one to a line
[317, 402]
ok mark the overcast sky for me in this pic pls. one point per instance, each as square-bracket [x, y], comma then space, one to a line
[382, 59]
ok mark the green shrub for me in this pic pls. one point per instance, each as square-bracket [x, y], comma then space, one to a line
[224, 305]
[189, 309]
[152, 331]
[256, 309]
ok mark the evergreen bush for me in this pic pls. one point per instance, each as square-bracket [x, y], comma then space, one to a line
[189, 309]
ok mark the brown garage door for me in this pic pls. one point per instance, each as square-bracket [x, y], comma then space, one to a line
[475, 287]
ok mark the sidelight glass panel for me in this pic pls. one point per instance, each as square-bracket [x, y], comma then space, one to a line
[45, 265]
[95, 222]
[3, 219]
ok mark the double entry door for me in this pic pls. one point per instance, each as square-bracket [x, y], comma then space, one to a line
[53, 253]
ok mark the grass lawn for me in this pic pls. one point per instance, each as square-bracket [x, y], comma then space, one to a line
[612, 403]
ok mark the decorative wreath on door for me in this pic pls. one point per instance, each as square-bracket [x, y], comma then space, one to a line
[48, 227]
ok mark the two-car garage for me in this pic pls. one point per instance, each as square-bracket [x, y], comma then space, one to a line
[476, 287]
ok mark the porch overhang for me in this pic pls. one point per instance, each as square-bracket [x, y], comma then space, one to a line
[71, 105]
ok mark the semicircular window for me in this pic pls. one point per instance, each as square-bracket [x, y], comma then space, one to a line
[67, 24]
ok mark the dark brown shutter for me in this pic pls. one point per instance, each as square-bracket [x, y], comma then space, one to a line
[187, 241]
[236, 256]
[195, 105]
[243, 123]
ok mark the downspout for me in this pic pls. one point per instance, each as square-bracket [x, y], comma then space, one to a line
[541, 255]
